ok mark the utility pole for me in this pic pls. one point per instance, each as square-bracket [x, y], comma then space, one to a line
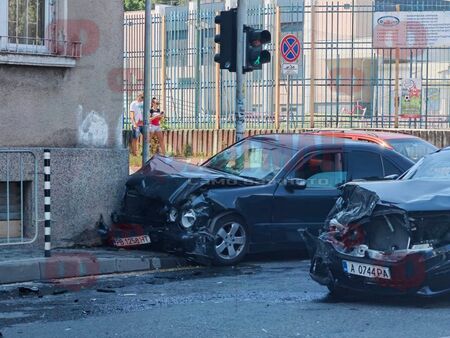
[147, 77]
[197, 67]
[240, 92]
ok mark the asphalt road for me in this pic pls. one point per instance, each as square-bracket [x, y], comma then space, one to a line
[260, 298]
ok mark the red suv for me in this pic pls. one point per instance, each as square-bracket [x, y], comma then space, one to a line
[408, 145]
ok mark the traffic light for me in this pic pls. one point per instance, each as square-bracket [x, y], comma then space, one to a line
[227, 39]
[255, 55]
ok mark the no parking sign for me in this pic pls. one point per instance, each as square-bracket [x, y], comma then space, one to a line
[290, 51]
[290, 48]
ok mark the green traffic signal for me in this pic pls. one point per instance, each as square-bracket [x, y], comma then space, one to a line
[255, 55]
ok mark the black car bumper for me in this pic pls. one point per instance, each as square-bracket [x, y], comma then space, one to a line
[424, 274]
[169, 236]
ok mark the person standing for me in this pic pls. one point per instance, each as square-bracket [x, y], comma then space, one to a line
[137, 121]
[155, 124]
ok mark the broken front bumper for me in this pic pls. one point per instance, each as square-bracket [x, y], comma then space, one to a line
[426, 273]
[170, 237]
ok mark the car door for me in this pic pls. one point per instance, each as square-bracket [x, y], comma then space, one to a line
[294, 209]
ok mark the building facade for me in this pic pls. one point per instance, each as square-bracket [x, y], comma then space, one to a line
[60, 74]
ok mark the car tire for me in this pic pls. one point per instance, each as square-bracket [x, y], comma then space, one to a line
[231, 240]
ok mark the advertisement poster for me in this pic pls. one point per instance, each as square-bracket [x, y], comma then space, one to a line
[411, 98]
[411, 29]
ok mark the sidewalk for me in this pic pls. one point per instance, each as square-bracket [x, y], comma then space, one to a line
[19, 264]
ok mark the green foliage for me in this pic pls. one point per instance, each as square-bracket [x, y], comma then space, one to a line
[187, 151]
[134, 5]
[137, 5]
[154, 145]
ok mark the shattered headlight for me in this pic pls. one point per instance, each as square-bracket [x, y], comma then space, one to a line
[173, 215]
[188, 218]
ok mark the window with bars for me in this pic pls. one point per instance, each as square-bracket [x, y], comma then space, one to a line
[26, 22]
[23, 22]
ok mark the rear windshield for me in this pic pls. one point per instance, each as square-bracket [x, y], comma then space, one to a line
[412, 148]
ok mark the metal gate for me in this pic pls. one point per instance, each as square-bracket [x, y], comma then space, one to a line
[18, 197]
[346, 77]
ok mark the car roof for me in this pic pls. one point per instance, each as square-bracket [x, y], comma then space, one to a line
[383, 135]
[301, 141]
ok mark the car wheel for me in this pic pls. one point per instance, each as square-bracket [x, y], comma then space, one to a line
[231, 240]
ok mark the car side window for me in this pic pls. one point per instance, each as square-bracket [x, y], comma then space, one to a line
[390, 169]
[365, 165]
[322, 170]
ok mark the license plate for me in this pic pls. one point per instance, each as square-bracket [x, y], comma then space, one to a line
[366, 270]
[131, 241]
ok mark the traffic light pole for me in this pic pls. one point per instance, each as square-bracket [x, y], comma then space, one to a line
[240, 52]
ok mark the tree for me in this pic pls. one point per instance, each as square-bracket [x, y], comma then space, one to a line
[137, 5]
[134, 5]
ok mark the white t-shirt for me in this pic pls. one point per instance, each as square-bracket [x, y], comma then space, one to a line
[138, 109]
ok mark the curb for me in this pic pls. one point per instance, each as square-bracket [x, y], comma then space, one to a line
[72, 265]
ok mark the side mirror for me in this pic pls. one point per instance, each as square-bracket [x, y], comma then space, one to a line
[296, 183]
[391, 177]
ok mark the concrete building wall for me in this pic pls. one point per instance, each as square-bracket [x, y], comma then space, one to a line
[73, 107]
[48, 106]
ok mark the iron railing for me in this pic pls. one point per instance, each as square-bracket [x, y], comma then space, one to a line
[18, 197]
[40, 46]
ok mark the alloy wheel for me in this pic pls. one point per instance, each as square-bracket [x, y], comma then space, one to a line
[230, 240]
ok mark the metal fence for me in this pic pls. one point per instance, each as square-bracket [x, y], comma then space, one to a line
[18, 197]
[357, 82]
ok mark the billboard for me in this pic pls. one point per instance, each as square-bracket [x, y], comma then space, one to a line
[411, 29]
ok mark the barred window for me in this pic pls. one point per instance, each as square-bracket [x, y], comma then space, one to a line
[26, 21]
[24, 25]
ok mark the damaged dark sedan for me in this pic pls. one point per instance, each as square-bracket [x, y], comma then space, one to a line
[251, 197]
[389, 237]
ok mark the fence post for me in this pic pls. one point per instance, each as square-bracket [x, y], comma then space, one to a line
[277, 67]
[217, 84]
[47, 203]
[163, 64]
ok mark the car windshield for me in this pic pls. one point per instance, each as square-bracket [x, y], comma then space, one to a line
[253, 159]
[412, 148]
[436, 166]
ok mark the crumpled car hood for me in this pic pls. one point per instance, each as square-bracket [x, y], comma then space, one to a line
[172, 181]
[412, 195]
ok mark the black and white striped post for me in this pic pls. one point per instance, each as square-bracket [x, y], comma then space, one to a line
[47, 203]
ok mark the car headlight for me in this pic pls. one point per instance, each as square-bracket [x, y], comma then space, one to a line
[188, 218]
[173, 215]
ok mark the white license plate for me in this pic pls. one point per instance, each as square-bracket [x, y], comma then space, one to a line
[131, 241]
[366, 270]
